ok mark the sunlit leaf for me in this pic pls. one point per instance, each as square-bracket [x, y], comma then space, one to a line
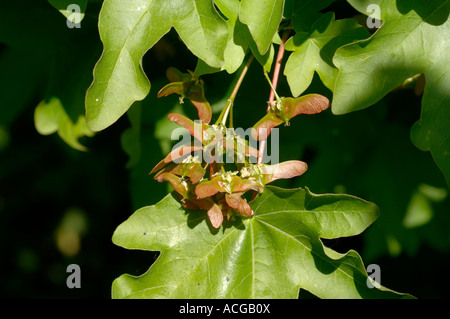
[262, 18]
[127, 30]
[413, 39]
[271, 255]
[240, 42]
[313, 52]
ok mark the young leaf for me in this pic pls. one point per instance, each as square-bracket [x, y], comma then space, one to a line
[270, 255]
[50, 117]
[127, 30]
[412, 40]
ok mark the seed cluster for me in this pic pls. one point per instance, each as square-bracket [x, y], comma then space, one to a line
[197, 172]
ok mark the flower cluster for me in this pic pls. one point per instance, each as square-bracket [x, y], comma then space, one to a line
[197, 173]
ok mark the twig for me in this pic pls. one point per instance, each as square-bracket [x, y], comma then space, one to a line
[276, 75]
[226, 110]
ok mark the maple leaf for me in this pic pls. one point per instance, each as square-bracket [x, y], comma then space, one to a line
[270, 255]
[413, 39]
[128, 29]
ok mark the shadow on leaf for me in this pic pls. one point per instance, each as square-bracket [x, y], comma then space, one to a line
[434, 12]
[195, 217]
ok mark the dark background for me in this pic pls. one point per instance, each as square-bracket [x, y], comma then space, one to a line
[60, 206]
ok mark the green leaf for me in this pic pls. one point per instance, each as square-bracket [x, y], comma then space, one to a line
[67, 9]
[412, 40]
[304, 13]
[432, 132]
[239, 37]
[239, 42]
[271, 255]
[262, 18]
[314, 52]
[45, 68]
[50, 117]
[265, 60]
[128, 30]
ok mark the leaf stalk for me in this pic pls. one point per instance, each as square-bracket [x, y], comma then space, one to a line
[228, 109]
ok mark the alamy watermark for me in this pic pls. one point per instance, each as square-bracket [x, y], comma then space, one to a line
[374, 18]
[74, 18]
[74, 279]
[374, 278]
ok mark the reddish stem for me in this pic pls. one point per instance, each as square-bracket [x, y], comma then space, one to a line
[275, 76]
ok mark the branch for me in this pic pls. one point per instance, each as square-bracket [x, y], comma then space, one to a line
[276, 74]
